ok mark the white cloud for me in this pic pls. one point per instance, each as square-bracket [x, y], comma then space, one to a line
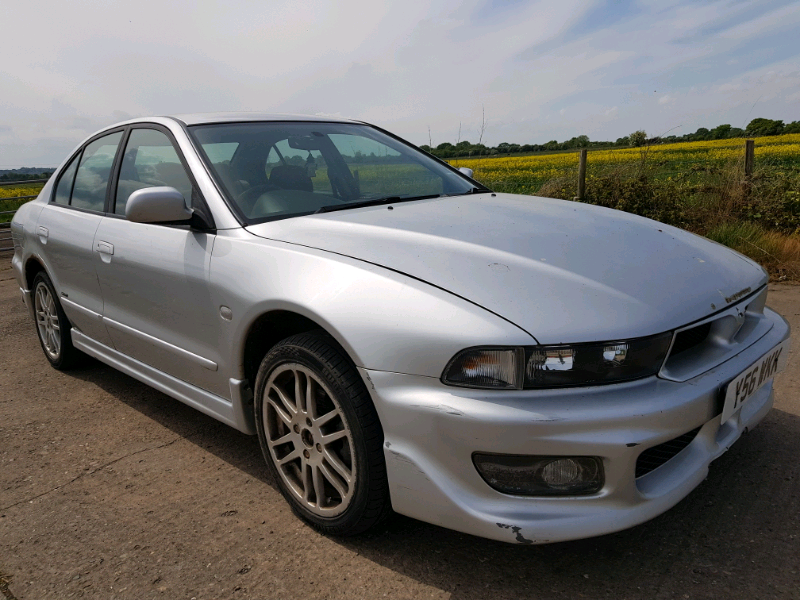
[541, 70]
[786, 17]
[777, 83]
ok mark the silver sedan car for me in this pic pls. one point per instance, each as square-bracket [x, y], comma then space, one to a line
[398, 336]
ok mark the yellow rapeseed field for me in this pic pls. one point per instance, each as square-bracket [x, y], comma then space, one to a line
[14, 192]
[536, 169]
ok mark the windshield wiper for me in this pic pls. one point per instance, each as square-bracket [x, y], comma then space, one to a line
[373, 202]
[473, 190]
[478, 190]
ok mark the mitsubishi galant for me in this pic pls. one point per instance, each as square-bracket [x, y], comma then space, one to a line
[398, 336]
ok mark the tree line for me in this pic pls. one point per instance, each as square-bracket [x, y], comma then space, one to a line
[25, 174]
[756, 128]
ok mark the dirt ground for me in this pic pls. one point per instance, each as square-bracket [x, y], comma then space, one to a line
[111, 490]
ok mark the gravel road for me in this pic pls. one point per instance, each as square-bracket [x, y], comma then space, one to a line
[111, 490]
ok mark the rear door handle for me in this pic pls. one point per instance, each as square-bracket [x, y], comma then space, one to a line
[44, 232]
[105, 248]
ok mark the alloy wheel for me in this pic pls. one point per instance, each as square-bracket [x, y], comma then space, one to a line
[47, 320]
[309, 440]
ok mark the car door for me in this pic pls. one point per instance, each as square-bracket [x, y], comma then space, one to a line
[66, 230]
[154, 278]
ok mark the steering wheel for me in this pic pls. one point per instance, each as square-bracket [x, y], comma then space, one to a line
[248, 198]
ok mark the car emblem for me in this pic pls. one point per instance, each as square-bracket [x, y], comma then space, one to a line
[736, 296]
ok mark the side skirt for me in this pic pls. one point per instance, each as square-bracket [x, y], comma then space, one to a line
[231, 413]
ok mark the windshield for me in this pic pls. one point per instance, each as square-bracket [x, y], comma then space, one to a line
[284, 169]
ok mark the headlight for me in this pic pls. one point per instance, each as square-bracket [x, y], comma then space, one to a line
[565, 365]
[486, 368]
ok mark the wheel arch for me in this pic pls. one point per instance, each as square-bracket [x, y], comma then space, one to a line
[268, 329]
[33, 266]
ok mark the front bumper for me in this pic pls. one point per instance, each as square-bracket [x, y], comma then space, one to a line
[432, 430]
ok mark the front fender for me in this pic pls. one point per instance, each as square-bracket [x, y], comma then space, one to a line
[386, 321]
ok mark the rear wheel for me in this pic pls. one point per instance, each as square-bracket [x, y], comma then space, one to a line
[52, 325]
[320, 435]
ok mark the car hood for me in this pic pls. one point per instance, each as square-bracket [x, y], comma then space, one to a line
[562, 271]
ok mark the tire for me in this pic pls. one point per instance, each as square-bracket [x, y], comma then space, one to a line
[326, 454]
[52, 325]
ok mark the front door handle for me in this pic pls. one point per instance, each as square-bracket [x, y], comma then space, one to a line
[105, 248]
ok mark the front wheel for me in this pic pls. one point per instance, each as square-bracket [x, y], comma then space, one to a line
[320, 435]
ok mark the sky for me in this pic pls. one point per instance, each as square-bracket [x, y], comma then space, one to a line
[530, 71]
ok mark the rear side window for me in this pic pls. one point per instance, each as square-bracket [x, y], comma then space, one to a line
[150, 160]
[64, 188]
[91, 181]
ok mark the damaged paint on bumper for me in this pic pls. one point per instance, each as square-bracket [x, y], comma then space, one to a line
[432, 430]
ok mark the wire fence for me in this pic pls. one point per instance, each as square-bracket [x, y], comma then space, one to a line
[6, 240]
[10, 204]
[761, 175]
[700, 164]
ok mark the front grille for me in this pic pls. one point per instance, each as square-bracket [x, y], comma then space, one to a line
[701, 347]
[689, 338]
[654, 457]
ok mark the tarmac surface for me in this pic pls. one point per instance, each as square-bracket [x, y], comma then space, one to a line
[112, 490]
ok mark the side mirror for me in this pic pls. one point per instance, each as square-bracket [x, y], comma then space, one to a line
[157, 205]
[466, 171]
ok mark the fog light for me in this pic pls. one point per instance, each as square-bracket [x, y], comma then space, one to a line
[561, 472]
[541, 475]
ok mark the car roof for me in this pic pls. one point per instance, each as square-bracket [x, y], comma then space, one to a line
[240, 117]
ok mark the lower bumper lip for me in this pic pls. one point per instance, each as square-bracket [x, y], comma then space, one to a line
[431, 432]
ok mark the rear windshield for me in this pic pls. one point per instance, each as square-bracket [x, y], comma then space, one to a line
[277, 170]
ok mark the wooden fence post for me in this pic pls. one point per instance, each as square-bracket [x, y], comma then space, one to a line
[582, 177]
[749, 157]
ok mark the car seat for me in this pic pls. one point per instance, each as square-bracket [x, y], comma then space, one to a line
[291, 177]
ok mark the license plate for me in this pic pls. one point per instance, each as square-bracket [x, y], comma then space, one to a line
[741, 389]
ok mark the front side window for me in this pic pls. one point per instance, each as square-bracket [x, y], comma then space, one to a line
[287, 169]
[150, 160]
[91, 181]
